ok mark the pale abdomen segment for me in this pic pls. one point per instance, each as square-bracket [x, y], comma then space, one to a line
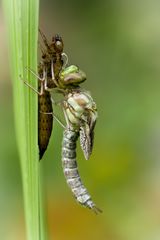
[70, 170]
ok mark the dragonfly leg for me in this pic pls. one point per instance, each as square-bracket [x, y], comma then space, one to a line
[65, 58]
[66, 118]
[42, 80]
[30, 86]
[35, 74]
[55, 117]
[52, 73]
[39, 93]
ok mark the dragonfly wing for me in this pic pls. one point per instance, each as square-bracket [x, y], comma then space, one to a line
[85, 140]
[87, 134]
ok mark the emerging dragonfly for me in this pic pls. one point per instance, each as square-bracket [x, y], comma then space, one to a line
[79, 110]
[80, 114]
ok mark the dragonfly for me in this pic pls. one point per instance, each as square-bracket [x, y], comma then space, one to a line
[52, 62]
[80, 113]
[79, 110]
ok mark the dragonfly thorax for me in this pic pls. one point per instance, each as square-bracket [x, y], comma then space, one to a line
[79, 107]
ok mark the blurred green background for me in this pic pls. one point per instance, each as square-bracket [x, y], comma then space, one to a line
[117, 44]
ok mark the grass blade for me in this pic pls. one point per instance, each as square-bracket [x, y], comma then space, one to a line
[22, 22]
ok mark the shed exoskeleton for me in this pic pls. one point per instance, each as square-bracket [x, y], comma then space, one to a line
[51, 58]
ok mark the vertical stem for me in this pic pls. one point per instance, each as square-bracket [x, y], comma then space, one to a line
[22, 22]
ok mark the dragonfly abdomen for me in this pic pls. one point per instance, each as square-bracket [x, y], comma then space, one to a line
[45, 122]
[70, 170]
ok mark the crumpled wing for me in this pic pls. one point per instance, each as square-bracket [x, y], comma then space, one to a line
[87, 134]
[85, 140]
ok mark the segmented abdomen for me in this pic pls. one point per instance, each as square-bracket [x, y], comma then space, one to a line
[70, 169]
[45, 122]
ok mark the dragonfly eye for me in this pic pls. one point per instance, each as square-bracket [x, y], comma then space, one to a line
[58, 43]
[59, 46]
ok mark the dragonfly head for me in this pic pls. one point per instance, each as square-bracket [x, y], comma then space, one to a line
[71, 76]
[58, 43]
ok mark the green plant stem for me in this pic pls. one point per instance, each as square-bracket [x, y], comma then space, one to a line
[22, 22]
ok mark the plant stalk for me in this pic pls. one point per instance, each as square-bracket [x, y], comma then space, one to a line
[22, 25]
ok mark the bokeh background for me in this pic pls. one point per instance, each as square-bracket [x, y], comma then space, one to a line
[117, 44]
